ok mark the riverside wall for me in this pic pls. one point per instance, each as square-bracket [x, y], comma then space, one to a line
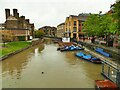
[34, 42]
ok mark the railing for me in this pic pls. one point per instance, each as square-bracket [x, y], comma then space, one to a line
[111, 71]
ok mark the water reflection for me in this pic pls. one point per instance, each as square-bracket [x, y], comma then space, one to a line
[71, 57]
[38, 49]
[61, 69]
[16, 64]
[48, 41]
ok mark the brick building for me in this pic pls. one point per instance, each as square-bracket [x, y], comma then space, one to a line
[17, 25]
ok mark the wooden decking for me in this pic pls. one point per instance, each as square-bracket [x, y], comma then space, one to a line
[61, 44]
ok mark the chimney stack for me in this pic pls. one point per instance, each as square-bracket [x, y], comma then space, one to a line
[15, 13]
[7, 13]
[28, 21]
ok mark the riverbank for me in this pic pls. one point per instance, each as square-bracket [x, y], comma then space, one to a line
[114, 52]
[13, 48]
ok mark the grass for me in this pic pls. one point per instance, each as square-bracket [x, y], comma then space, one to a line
[13, 46]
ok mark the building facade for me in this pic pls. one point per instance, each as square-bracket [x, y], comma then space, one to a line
[18, 26]
[82, 17]
[60, 30]
[73, 25]
[49, 31]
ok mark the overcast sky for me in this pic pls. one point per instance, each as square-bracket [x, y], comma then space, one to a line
[52, 12]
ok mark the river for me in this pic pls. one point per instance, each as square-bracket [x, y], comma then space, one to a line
[60, 69]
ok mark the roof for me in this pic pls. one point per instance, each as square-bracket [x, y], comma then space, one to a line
[61, 24]
[84, 14]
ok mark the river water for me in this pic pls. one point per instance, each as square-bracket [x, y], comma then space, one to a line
[61, 69]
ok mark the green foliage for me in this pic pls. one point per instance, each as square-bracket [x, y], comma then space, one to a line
[116, 14]
[39, 33]
[91, 26]
[14, 46]
[100, 25]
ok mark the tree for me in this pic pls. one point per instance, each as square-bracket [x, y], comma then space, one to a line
[101, 25]
[116, 14]
[39, 33]
[92, 24]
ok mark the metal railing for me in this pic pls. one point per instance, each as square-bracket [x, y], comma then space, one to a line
[111, 71]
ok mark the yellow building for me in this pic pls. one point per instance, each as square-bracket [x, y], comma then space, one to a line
[72, 26]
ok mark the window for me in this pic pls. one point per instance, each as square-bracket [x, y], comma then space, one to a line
[79, 23]
[74, 29]
[74, 23]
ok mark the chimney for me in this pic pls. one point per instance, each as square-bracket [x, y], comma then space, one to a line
[15, 14]
[7, 13]
[28, 21]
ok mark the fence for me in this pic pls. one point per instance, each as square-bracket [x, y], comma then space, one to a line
[111, 71]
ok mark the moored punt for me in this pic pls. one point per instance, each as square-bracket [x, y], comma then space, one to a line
[88, 57]
[68, 46]
[101, 51]
[105, 85]
[71, 48]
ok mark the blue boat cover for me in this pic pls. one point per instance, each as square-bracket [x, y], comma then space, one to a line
[72, 47]
[101, 51]
[79, 54]
[88, 57]
[95, 58]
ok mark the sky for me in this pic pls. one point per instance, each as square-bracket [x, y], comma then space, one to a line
[52, 12]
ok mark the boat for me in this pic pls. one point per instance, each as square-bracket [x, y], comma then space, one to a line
[88, 57]
[101, 51]
[71, 48]
[105, 85]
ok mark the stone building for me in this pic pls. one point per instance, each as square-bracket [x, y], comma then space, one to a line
[73, 25]
[49, 31]
[60, 30]
[17, 25]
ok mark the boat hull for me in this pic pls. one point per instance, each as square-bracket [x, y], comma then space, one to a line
[88, 58]
[105, 85]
